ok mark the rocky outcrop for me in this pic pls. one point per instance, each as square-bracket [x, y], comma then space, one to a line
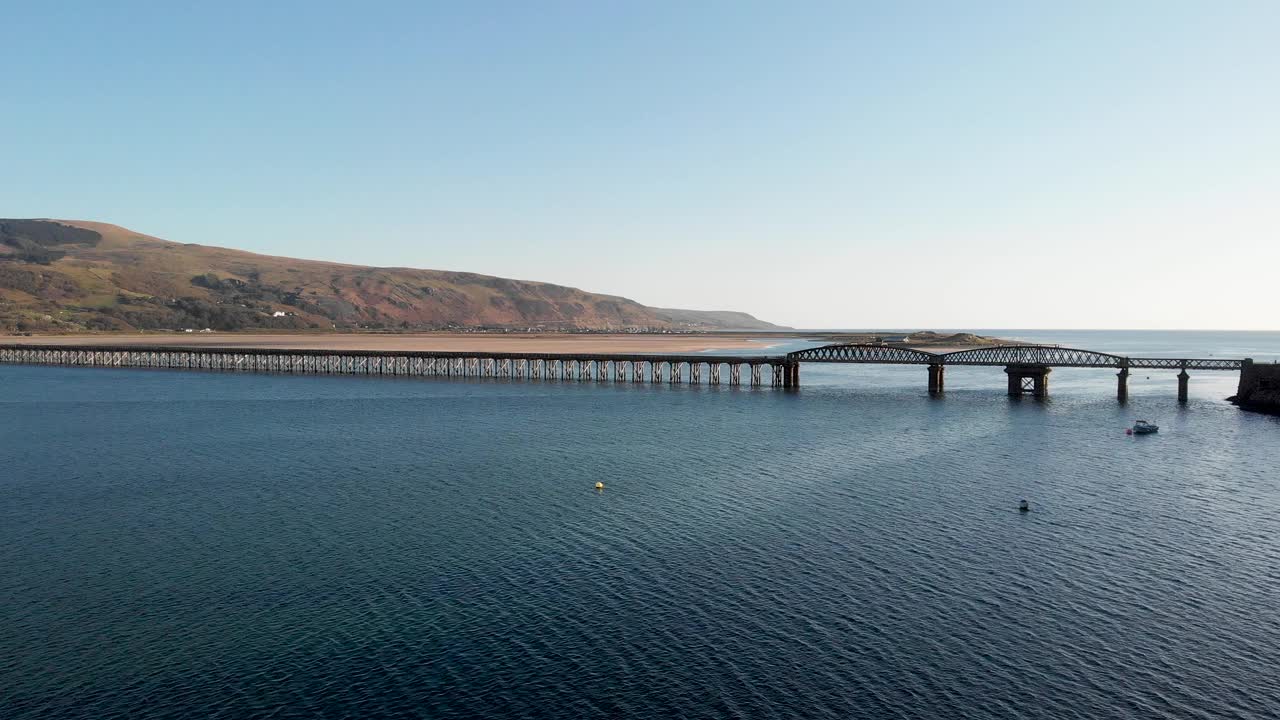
[1259, 388]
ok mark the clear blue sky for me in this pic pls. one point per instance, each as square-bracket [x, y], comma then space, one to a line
[842, 164]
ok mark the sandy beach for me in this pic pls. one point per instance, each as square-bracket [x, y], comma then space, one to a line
[457, 342]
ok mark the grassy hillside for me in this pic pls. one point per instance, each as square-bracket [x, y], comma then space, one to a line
[72, 276]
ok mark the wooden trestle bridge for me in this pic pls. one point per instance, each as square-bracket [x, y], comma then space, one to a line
[636, 368]
[1027, 366]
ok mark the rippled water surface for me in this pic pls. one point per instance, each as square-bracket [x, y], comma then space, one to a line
[179, 545]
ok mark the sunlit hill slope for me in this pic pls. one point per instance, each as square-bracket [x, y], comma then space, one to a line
[68, 275]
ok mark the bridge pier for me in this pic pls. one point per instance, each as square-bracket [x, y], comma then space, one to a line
[1122, 384]
[936, 379]
[1028, 379]
[1183, 377]
[791, 375]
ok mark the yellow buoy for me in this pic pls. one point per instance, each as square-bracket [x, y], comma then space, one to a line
[599, 486]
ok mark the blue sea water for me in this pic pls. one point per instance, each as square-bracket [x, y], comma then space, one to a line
[179, 545]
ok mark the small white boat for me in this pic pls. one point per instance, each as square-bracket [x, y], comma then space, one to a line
[1142, 427]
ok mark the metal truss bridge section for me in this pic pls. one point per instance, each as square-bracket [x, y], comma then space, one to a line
[871, 354]
[1003, 355]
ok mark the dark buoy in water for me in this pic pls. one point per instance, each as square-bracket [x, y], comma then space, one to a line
[1024, 506]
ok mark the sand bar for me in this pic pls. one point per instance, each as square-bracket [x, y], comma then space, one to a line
[455, 342]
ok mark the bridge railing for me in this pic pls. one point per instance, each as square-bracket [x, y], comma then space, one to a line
[314, 352]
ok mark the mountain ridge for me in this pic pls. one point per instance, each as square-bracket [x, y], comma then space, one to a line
[61, 275]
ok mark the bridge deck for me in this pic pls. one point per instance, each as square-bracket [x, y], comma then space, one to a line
[1027, 366]
[442, 354]
[995, 356]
